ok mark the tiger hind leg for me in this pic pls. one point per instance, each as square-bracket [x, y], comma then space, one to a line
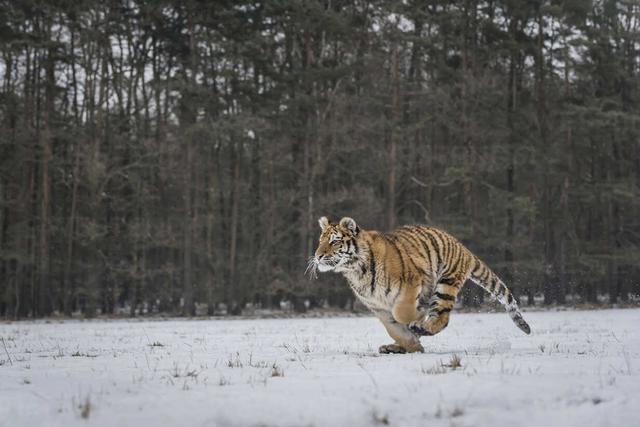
[440, 305]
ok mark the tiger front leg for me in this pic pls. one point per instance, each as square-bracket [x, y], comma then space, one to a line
[405, 340]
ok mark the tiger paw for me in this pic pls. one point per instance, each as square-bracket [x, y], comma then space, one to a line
[416, 328]
[391, 349]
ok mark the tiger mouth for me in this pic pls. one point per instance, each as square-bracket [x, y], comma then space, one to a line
[325, 267]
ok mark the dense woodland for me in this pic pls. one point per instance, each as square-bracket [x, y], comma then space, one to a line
[168, 156]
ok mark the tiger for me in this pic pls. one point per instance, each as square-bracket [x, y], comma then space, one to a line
[409, 278]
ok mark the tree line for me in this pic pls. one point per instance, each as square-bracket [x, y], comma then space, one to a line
[173, 156]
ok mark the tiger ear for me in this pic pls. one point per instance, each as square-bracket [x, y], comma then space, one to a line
[324, 223]
[350, 225]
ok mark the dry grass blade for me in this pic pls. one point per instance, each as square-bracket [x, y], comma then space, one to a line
[454, 362]
[7, 351]
[85, 408]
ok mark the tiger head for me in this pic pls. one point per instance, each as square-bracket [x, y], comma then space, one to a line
[337, 248]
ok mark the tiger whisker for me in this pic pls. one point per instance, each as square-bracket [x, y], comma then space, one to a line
[312, 268]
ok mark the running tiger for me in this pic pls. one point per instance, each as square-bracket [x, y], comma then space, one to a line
[408, 278]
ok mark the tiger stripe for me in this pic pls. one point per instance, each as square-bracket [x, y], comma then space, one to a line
[434, 260]
[372, 269]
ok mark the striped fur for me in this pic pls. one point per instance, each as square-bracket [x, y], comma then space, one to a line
[409, 278]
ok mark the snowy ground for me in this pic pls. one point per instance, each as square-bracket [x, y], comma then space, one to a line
[578, 368]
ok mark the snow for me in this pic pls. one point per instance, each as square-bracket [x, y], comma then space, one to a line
[578, 368]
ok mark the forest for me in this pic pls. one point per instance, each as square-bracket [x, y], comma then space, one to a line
[174, 156]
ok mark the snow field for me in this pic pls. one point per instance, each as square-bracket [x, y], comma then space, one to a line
[578, 368]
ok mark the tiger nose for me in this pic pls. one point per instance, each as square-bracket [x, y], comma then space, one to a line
[319, 256]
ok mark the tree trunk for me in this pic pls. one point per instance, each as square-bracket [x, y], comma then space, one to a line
[393, 138]
[45, 295]
[189, 118]
[512, 106]
[234, 220]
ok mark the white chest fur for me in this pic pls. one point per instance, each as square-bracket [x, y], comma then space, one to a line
[374, 296]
